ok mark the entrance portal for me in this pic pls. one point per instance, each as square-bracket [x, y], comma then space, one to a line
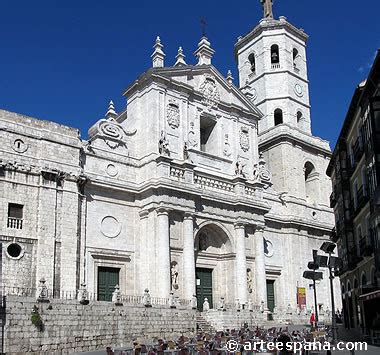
[204, 286]
[108, 278]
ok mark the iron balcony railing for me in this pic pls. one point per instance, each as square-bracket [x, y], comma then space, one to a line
[15, 223]
[358, 150]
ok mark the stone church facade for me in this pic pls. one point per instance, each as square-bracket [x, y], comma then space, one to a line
[198, 187]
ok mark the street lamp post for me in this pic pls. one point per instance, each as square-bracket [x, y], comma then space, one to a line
[333, 263]
[313, 275]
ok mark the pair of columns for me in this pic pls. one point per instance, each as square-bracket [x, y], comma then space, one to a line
[241, 265]
[163, 267]
[163, 249]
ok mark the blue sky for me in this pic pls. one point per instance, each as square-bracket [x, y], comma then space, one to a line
[64, 60]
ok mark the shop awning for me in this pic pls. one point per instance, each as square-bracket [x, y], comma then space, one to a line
[370, 296]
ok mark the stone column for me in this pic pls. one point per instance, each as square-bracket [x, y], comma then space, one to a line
[241, 264]
[261, 280]
[188, 257]
[163, 254]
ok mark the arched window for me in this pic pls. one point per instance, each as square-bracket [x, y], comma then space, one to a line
[364, 279]
[311, 182]
[355, 283]
[274, 54]
[278, 117]
[295, 57]
[252, 61]
[299, 116]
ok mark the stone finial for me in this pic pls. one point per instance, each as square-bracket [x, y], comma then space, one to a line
[111, 113]
[222, 304]
[250, 305]
[238, 305]
[204, 52]
[180, 58]
[194, 302]
[147, 300]
[230, 78]
[158, 55]
[206, 305]
[172, 302]
[83, 295]
[43, 292]
[116, 296]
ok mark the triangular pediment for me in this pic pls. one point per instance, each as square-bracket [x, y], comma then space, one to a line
[205, 82]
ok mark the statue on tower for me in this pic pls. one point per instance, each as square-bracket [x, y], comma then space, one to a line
[268, 8]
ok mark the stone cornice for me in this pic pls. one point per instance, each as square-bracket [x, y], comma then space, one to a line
[270, 25]
[285, 133]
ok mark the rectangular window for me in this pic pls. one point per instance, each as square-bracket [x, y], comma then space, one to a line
[15, 216]
[207, 135]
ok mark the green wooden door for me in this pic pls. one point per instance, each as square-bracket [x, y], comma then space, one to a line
[270, 295]
[204, 286]
[108, 278]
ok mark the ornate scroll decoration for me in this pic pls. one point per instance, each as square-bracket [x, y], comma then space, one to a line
[210, 92]
[244, 139]
[113, 134]
[172, 114]
[262, 172]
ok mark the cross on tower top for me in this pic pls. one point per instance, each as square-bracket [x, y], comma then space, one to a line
[203, 26]
[268, 8]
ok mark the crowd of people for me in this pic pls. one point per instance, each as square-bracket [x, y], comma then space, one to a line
[217, 343]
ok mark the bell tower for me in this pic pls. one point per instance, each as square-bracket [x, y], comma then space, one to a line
[273, 71]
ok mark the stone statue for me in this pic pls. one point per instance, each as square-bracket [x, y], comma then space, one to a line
[186, 155]
[268, 8]
[249, 281]
[163, 145]
[239, 168]
[174, 274]
[193, 142]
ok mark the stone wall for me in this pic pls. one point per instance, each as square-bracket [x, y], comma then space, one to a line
[70, 326]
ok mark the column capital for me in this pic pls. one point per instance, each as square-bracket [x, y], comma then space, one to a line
[259, 228]
[239, 225]
[144, 214]
[162, 211]
[188, 216]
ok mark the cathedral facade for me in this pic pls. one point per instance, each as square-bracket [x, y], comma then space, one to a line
[198, 187]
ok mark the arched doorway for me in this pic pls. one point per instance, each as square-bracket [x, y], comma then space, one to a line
[214, 265]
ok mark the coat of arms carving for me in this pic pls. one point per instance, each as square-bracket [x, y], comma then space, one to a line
[172, 115]
[244, 139]
[210, 91]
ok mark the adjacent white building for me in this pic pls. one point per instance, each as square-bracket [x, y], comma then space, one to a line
[197, 187]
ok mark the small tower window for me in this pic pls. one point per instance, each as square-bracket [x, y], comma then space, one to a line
[252, 61]
[278, 117]
[295, 58]
[274, 54]
[299, 118]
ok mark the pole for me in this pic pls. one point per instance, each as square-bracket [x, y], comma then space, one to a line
[333, 306]
[315, 302]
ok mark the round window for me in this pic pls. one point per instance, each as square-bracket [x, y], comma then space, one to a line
[14, 251]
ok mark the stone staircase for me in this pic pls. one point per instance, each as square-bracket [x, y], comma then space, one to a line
[203, 325]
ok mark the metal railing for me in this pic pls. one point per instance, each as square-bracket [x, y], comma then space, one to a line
[15, 223]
